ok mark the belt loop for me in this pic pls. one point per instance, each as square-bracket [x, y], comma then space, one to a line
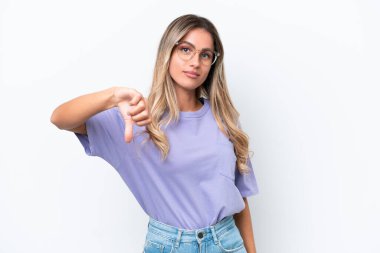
[214, 235]
[178, 238]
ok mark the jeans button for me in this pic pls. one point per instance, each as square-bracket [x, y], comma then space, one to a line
[200, 235]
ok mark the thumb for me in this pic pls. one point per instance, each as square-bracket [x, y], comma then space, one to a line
[128, 132]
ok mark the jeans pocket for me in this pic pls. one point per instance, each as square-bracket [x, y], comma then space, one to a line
[231, 241]
[153, 246]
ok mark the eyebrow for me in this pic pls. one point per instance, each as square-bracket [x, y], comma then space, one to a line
[194, 46]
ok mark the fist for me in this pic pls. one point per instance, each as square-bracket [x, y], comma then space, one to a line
[133, 107]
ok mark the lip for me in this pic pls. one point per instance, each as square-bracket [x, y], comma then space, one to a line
[191, 74]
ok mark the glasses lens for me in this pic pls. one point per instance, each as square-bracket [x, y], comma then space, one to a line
[186, 51]
[207, 57]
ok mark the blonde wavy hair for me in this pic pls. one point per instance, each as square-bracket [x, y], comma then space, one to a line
[162, 97]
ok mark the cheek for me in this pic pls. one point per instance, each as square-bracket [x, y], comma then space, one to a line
[174, 67]
[205, 73]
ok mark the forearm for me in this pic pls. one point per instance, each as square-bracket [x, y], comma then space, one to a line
[76, 111]
[244, 223]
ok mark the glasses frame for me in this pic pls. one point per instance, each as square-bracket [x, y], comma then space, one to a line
[217, 54]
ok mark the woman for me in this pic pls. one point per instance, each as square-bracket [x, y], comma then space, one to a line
[181, 151]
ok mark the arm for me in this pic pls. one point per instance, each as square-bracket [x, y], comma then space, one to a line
[73, 114]
[244, 223]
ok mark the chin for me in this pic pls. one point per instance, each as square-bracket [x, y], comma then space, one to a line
[188, 85]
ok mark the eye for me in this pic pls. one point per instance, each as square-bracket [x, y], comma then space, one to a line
[185, 50]
[206, 55]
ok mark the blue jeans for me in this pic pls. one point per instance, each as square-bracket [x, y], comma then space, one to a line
[222, 237]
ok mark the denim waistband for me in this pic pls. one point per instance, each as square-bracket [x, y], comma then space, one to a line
[177, 235]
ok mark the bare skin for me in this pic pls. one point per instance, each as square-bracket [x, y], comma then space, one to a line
[244, 223]
[73, 114]
[184, 85]
[185, 91]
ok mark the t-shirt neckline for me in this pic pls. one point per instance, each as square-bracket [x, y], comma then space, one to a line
[199, 113]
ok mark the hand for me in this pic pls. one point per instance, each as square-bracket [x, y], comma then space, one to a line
[133, 107]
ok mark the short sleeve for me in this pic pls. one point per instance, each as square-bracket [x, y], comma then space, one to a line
[105, 135]
[246, 183]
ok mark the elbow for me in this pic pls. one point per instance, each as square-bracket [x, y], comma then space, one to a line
[54, 120]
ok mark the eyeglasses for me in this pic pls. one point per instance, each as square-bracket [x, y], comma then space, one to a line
[186, 51]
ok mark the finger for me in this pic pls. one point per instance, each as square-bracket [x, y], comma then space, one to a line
[138, 108]
[135, 99]
[143, 122]
[141, 116]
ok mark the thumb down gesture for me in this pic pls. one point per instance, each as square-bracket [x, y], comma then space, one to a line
[133, 107]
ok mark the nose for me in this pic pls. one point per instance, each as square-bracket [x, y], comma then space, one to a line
[195, 60]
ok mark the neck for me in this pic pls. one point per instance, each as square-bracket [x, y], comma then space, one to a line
[187, 102]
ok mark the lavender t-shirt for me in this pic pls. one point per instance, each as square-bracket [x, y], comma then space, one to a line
[199, 183]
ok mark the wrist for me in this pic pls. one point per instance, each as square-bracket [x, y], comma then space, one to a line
[110, 97]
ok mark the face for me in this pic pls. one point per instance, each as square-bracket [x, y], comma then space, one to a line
[179, 69]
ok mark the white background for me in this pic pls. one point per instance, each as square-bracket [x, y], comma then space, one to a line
[304, 76]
